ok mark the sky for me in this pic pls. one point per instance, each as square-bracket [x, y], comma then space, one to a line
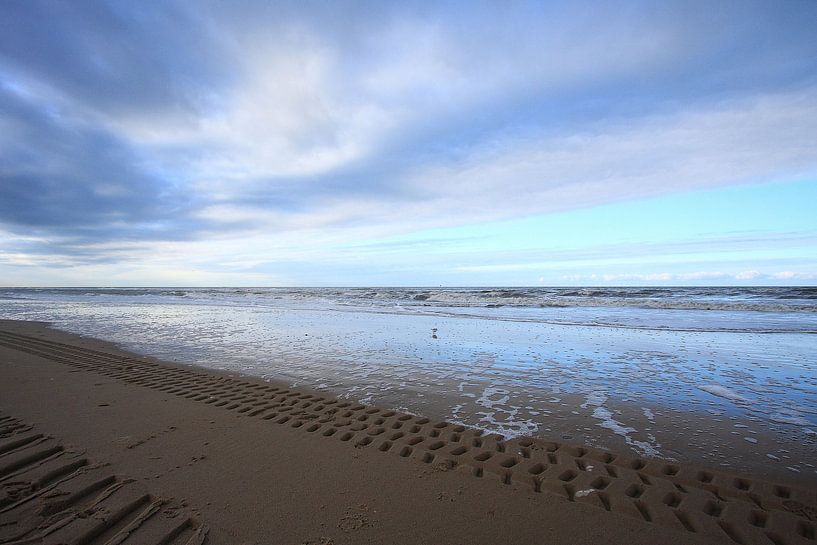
[209, 143]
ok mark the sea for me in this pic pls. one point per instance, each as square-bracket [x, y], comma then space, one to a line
[725, 375]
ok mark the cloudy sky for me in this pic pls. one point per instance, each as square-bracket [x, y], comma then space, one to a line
[332, 143]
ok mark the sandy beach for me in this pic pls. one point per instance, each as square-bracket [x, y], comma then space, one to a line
[98, 445]
[339, 273]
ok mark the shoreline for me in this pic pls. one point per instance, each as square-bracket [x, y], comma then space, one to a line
[240, 446]
[705, 434]
[739, 401]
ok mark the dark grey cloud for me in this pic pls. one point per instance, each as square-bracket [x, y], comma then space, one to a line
[79, 184]
[66, 69]
[113, 56]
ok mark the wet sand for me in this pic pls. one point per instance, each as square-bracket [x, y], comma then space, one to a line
[187, 455]
[738, 400]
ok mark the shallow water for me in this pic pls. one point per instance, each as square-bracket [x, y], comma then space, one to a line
[594, 368]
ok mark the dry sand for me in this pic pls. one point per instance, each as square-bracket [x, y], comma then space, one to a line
[102, 446]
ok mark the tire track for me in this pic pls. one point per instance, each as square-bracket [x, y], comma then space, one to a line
[720, 505]
[51, 495]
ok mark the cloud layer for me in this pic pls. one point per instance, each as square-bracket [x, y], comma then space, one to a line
[227, 137]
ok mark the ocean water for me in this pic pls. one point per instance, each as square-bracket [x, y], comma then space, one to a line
[660, 371]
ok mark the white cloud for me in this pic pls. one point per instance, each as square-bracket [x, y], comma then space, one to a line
[751, 140]
[283, 117]
[665, 277]
[792, 275]
[747, 275]
[703, 275]
[303, 102]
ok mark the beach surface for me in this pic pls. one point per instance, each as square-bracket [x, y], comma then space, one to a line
[99, 445]
[721, 377]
